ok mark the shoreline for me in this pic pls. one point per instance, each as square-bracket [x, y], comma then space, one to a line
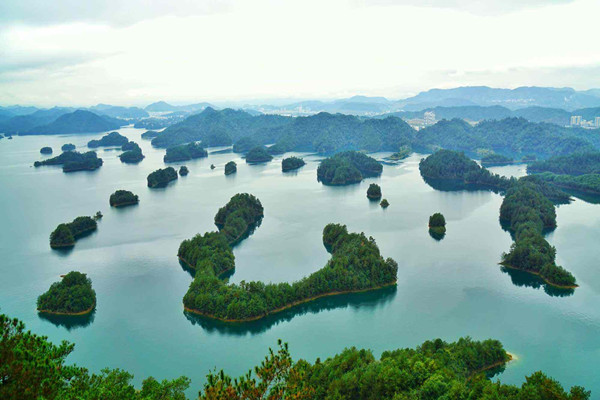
[183, 260]
[494, 365]
[538, 274]
[129, 203]
[70, 314]
[288, 306]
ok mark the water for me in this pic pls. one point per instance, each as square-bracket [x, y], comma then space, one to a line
[448, 288]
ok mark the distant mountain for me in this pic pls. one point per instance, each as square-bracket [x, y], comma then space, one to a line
[356, 105]
[79, 121]
[24, 123]
[120, 112]
[19, 110]
[565, 98]
[162, 106]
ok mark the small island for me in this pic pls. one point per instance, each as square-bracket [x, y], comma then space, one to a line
[68, 147]
[292, 163]
[150, 134]
[65, 235]
[493, 160]
[132, 153]
[257, 155]
[230, 168]
[122, 198]
[183, 170]
[346, 168]
[384, 203]
[239, 216]
[73, 295]
[374, 191]
[185, 152]
[212, 166]
[437, 224]
[161, 177]
[113, 139]
[73, 161]
[401, 154]
[46, 150]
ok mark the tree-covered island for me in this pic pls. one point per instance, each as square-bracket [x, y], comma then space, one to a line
[347, 167]
[384, 203]
[185, 152]
[113, 139]
[65, 235]
[72, 161]
[46, 150]
[68, 147]
[437, 223]
[374, 192]
[258, 154]
[73, 295]
[132, 153]
[239, 216]
[401, 154]
[122, 198]
[183, 170]
[494, 159]
[291, 163]
[230, 168]
[161, 177]
[150, 134]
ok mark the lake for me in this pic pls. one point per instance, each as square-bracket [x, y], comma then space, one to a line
[448, 288]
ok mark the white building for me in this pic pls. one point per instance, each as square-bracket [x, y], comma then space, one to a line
[575, 119]
[429, 117]
[597, 122]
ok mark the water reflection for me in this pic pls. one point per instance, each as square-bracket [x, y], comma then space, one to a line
[451, 185]
[355, 301]
[526, 279]
[69, 321]
[437, 235]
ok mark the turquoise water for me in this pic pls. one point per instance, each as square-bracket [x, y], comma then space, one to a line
[448, 288]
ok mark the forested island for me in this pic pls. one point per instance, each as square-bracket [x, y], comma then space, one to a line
[347, 167]
[113, 139]
[241, 213]
[452, 370]
[183, 170]
[72, 161]
[291, 163]
[258, 154]
[384, 203]
[401, 154]
[374, 191]
[185, 152]
[68, 147]
[494, 159]
[230, 168]
[161, 177]
[527, 212]
[150, 134]
[122, 198]
[132, 153]
[46, 150]
[356, 265]
[244, 144]
[73, 295]
[437, 223]
[65, 235]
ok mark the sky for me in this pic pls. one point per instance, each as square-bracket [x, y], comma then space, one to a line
[134, 52]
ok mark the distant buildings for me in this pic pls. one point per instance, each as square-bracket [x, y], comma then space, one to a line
[577, 120]
[597, 122]
[429, 117]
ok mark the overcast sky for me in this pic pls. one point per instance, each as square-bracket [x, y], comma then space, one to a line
[73, 52]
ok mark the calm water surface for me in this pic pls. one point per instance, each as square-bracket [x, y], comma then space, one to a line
[448, 288]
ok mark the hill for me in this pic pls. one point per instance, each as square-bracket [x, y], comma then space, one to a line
[79, 121]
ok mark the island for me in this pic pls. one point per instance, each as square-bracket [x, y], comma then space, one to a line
[527, 212]
[384, 203]
[150, 134]
[346, 168]
[212, 166]
[244, 144]
[67, 147]
[355, 266]
[78, 121]
[132, 153]
[122, 198]
[185, 152]
[230, 168]
[46, 150]
[239, 216]
[161, 177]
[493, 159]
[437, 223]
[183, 170]
[257, 155]
[73, 161]
[72, 295]
[113, 139]
[401, 154]
[374, 192]
[65, 235]
[292, 163]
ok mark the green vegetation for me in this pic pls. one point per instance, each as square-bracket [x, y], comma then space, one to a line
[150, 134]
[588, 183]
[185, 152]
[356, 265]
[384, 203]
[437, 223]
[239, 216]
[258, 154]
[34, 368]
[113, 139]
[572, 164]
[183, 170]
[79, 121]
[132, 153]
[46, 150]
[68, 147]
[528, 212]
[244, 144]
[65, 235]
[292, 163]
[208, 252]
[122, 198]
[494, 159]
[161, 177]
[374, 191]
[347, 167]
[73, 295]
[73, 161]
[230, 168]
[401, 154]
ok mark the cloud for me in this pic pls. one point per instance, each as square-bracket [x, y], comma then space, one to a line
[108, 12]
[477, 7]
